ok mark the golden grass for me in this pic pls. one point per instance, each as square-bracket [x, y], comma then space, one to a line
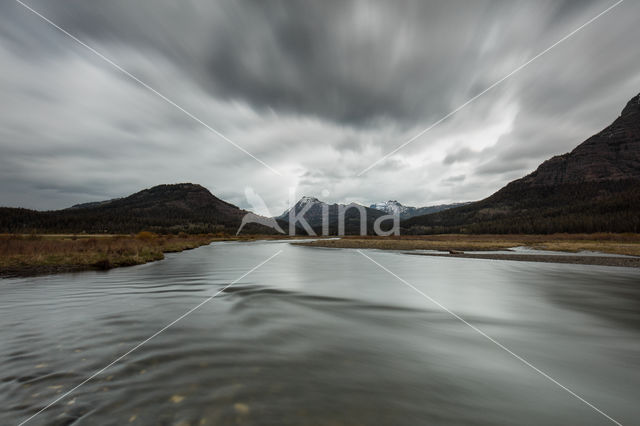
[628, 244]
[33, 254]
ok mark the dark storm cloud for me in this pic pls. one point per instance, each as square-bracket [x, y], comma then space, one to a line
[319, 89]
[349, 61]
[294, 56]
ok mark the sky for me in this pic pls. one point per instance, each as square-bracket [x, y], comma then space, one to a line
[317, 90]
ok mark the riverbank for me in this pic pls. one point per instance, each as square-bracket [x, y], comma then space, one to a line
[460, 246]
[28, 255]
[627, 262]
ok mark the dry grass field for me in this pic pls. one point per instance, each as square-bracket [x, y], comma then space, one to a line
[35, 254]
[628, 244]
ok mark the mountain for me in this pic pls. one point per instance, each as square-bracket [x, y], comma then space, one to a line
[406, 212]
[314, 214]
[594, 188]
[183, 207]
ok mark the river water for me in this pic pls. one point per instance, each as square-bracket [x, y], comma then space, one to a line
[322, 337]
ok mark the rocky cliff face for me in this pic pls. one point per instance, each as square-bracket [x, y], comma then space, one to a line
[612, 154]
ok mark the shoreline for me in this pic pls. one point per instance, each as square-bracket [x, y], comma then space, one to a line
[46, 255]
[476, 246]
[625, 262]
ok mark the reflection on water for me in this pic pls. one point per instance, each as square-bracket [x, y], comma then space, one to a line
[321, 337]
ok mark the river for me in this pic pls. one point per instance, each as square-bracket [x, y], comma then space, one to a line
[322, 337]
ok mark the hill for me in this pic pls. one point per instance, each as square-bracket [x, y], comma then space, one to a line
[183, 207]
[594, 188]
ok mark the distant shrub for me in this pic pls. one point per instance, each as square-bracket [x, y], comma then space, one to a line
[145, 235]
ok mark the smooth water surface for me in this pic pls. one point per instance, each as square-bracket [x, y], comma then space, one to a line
[321, 337]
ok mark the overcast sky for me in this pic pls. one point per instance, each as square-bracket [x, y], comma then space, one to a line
[319, 90]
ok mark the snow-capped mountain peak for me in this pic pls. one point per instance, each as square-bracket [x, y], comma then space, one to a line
[405, 212]
[306, 200]
[390, 207]
[301, 204]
